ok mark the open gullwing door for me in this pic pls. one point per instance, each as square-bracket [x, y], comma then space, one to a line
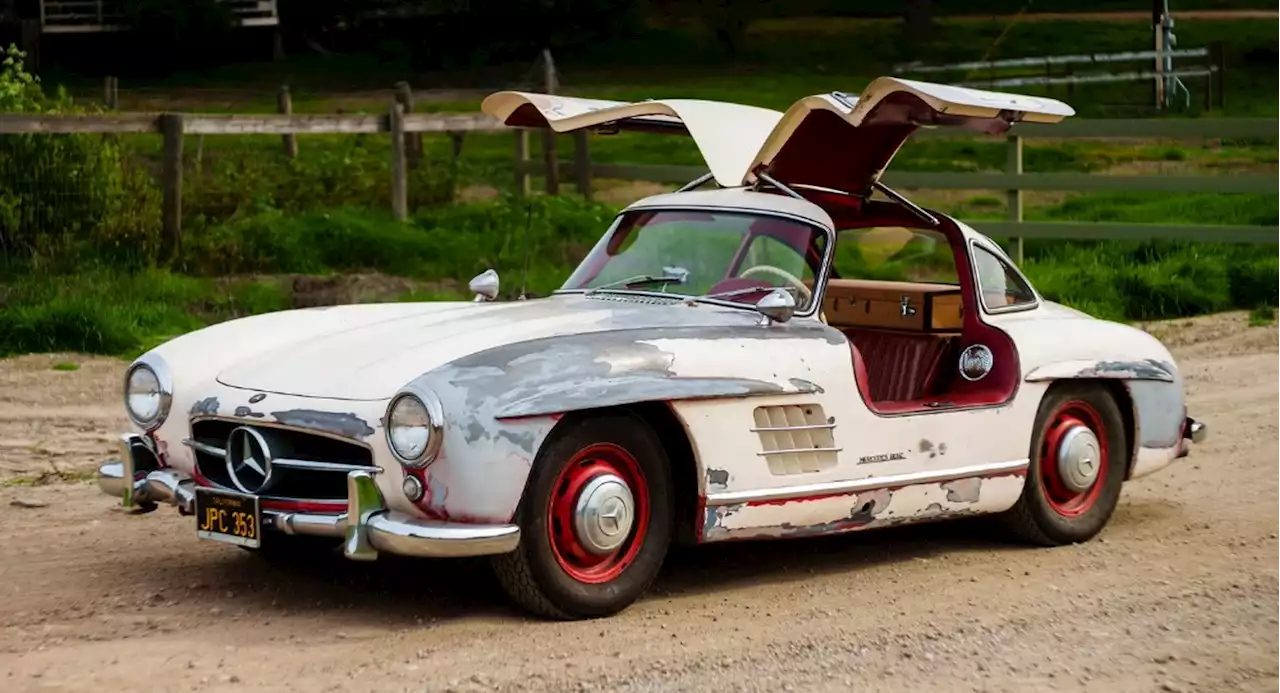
[727, 134]
[835, 140]
[844, 142]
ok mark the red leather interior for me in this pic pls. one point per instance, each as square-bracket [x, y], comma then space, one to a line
[900, 366]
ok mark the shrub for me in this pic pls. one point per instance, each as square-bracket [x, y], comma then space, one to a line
[1262, 316]
[1254, 281]
[1174, 288]
[59, 193]
[457, 241]
[109, 312]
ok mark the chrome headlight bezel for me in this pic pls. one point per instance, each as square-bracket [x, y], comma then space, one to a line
[159, 369]
[434, 428]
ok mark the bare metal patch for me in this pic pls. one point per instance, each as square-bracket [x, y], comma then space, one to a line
[345, 425]
[963, 490]
[205, 407]
[717, 479]
[243, 411]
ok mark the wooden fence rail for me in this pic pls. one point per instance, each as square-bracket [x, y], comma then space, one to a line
[400, 121]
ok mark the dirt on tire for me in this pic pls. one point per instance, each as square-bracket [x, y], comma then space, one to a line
[1178, 593]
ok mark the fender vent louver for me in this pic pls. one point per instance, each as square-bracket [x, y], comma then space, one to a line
[796, 439]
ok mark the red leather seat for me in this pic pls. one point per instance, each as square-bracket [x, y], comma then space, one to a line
[896, 367]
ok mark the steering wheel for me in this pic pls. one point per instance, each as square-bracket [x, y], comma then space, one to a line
[785, 275]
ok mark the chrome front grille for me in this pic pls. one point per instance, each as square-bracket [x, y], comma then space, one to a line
[303, 465]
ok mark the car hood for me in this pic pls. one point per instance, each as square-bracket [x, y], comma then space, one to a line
[369, 352]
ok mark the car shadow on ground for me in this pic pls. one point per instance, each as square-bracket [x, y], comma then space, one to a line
[398, 592]
[395, 592]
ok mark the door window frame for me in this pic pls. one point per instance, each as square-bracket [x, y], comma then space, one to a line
[975, 245]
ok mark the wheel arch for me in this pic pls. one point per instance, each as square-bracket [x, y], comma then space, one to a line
[672, 435]
[1119, 392]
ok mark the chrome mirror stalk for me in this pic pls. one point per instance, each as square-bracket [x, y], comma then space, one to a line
[777, 306]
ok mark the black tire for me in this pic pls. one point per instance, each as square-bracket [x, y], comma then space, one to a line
[535, 577]
[1041, 516]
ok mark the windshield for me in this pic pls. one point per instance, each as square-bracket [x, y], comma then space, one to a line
[734, 256]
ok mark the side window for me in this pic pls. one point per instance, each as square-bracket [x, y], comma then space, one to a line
[896, 254]
[998, 284]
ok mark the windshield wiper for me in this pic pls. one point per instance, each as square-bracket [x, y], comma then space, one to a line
[748, 290]
[642, 280]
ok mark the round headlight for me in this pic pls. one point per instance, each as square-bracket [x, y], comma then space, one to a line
[147, 394]
[412, 431]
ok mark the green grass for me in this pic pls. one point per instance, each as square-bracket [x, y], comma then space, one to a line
[66, 367]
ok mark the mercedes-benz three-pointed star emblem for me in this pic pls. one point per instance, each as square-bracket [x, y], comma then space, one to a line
[248, 460]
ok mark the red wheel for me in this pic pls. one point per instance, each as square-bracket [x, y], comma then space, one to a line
[595, 520]
[1077, 467]
[598, 513]
[1073, 458]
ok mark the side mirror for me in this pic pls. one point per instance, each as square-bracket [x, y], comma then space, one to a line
[777, 306]
[484, 286]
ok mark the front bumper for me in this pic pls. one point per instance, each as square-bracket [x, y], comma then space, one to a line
[374, 529]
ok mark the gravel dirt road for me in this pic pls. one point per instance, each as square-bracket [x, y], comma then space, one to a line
[1178, 594]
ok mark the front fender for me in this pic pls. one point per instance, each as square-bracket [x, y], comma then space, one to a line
[500, 404]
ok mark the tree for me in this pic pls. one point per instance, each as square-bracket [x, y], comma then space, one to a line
[728, 21]
[918, 20]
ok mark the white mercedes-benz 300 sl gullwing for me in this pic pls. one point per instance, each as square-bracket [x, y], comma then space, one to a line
[782, 354]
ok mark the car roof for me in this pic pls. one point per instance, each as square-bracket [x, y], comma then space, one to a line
[739, 200]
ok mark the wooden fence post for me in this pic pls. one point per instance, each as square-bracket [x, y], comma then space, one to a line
[1013, 166]
[399, 172]
[171, 126]
[111, 93]
[413, 147]
[582, 163]
[1218, 59]
[284, 104]
[522, 161]
[548, 135]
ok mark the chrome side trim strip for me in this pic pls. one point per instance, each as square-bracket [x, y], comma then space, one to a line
[837, 488]
[793, 451]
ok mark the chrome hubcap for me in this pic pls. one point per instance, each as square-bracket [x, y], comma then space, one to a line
[604, 514]
[1078, 458]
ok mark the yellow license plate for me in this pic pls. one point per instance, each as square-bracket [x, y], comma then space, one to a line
[229, 517]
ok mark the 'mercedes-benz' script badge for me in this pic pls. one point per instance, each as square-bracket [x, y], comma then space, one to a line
[248, 460]
[976, 362]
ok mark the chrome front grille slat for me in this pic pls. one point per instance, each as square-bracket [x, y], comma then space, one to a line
[287, 462]
[311, 466]
[205, 448]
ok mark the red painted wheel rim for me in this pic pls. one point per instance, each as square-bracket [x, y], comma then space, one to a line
[569, 551]
[1061, 499]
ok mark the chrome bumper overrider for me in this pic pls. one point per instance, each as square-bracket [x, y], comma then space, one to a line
[376, 528]
[1194, 431]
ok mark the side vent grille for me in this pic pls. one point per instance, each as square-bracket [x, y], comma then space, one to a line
[796, 439]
